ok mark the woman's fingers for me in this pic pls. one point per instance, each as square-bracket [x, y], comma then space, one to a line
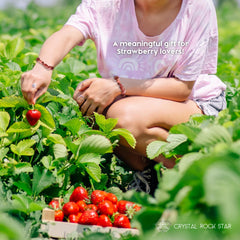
[91, 109]
[29, 89]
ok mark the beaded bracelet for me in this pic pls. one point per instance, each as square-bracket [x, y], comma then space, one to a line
[44, 64]
[122, 88]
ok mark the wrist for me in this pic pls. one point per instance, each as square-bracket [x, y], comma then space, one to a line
[41, 70]
[45, 65]
[122, 90]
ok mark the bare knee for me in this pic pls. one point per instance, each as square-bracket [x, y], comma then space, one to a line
[126, 115]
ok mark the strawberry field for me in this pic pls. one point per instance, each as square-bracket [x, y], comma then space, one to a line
[199, 198]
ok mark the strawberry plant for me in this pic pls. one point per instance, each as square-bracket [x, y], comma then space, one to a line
[63, 149]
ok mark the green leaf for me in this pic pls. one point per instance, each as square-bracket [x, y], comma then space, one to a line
[155, 148]
[190, 131]
[106, 125]
[174, 140]
[56, 138]
[89, 157]
[127, 135]
[23, 148]
[95, 144]
[14, 47]
[187, 160]
[222, 184]
[4, 120]
[13, 102]
[46, 118]
[24, 183]
[212, 135]
[26, 204]
[93, 170]
[3, 153]
[74, 125]
[71, 65]
[42, 179]
[14, 66]
[19, 127]
[10, 228]
[101, 185]
[23, 167]
[149, 217]
[60, 151]
[47, 161]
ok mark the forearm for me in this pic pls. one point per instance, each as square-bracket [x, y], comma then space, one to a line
[57, 46]
[166, 88]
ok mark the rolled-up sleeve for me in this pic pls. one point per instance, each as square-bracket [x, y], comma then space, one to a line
[83, 20]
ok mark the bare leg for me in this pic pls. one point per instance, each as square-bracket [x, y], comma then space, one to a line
[148, 119]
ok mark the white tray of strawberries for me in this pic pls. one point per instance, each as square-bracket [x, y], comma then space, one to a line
[99, 211]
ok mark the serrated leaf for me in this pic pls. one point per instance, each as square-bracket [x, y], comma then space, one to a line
[56, 138]
[12, 102]
[74, 125]
[71, 65]
[3, 152]
[42, 179]
[25, 204]
[89, 157]
[19, 127]
[14, 47]
[95, 144]
[155, 148]
[188, 159]
[46, 116]
[106, 125]
[23, 167]
[23, 148]
[127, 135]
[221, 187]
[14, 66]
[60, 151]
[93, 170]
[4, 120]
[190, 131]
[46, 161]
[174, 140]
[212, 135]
[24, 183]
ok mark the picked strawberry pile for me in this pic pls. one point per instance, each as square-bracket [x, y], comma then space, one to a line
[100, 208]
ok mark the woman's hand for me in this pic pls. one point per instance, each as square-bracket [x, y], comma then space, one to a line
[95, 94]
[35, 82]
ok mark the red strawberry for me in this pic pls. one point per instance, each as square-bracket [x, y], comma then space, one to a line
[112, 198]
[98, 196]
[106, 207]
[91, 207]
[54, 204]
[104, 221]
[122, 221]
[33, 116]
[89, 217]
[115, 207]
[70, 208]
[74, 218]
[79, 193]
[59, 215]
[82, 205]
[122, 206]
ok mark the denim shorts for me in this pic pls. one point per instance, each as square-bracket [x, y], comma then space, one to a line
[212, 106]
